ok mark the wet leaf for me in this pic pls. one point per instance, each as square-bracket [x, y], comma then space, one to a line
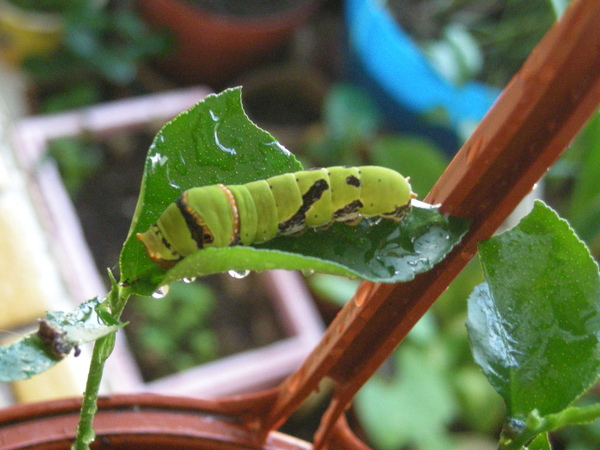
[534, 325]
[23, 359]
[215, 142]
[61, 332]
[87, 323]
[386, 253]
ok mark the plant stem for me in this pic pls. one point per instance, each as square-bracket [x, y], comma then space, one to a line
[103, 347]
[85, 433]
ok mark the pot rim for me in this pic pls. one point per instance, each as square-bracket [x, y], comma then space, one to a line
[149, 419]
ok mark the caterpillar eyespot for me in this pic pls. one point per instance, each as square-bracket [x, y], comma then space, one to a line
[255, 212]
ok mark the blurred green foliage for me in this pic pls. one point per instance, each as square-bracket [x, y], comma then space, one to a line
[46, 6]
[430, 387]
[483, 39]
[572, 184]
[78, 158]
[101, 45]
[352, 133]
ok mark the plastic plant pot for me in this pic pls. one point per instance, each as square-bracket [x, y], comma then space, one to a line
[212, 46]
[142, 421]
[386, 61]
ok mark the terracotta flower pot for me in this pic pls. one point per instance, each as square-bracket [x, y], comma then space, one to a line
[142, 421]
[213, 47]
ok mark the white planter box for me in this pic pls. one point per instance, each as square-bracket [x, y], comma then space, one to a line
[243, 372]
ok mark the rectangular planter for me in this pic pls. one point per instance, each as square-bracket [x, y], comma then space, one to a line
[243, 372]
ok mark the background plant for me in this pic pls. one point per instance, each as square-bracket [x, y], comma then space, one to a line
[487, 40]
[101, 47]
[173, 333]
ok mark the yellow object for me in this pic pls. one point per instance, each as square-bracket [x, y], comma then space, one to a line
[66, 379]
[27, 33]
[30, 282]
[23, 296]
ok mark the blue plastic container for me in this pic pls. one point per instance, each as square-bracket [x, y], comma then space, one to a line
[385, 60]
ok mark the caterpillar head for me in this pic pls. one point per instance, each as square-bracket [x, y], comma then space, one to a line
[168, 240]
[158, 248]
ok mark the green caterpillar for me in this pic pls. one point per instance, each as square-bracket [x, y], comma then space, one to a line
[220, 216]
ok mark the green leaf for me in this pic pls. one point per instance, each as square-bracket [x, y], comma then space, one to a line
[24, 359]
[534, 324]
[541, 442]
[215, 142]
[30, 355]
[87, 323]
[387, 253]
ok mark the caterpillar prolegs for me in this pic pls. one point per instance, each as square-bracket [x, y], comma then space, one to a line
[255, 212]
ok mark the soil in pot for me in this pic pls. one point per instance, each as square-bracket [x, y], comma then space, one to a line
[200, 322]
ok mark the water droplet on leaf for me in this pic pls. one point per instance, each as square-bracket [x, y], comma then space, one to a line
[375, 222]
[239, 273]
[160, 292]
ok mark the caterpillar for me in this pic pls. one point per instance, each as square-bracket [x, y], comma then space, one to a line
[255, 212]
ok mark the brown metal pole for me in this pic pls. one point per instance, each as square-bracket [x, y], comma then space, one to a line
[536, 117]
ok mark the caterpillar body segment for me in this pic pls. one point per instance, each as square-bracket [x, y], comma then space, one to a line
[255, 212]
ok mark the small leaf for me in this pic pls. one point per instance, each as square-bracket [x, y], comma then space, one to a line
[541, 442]
[87, 323]
[534, 326]
[23, 359]
[32, 354]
